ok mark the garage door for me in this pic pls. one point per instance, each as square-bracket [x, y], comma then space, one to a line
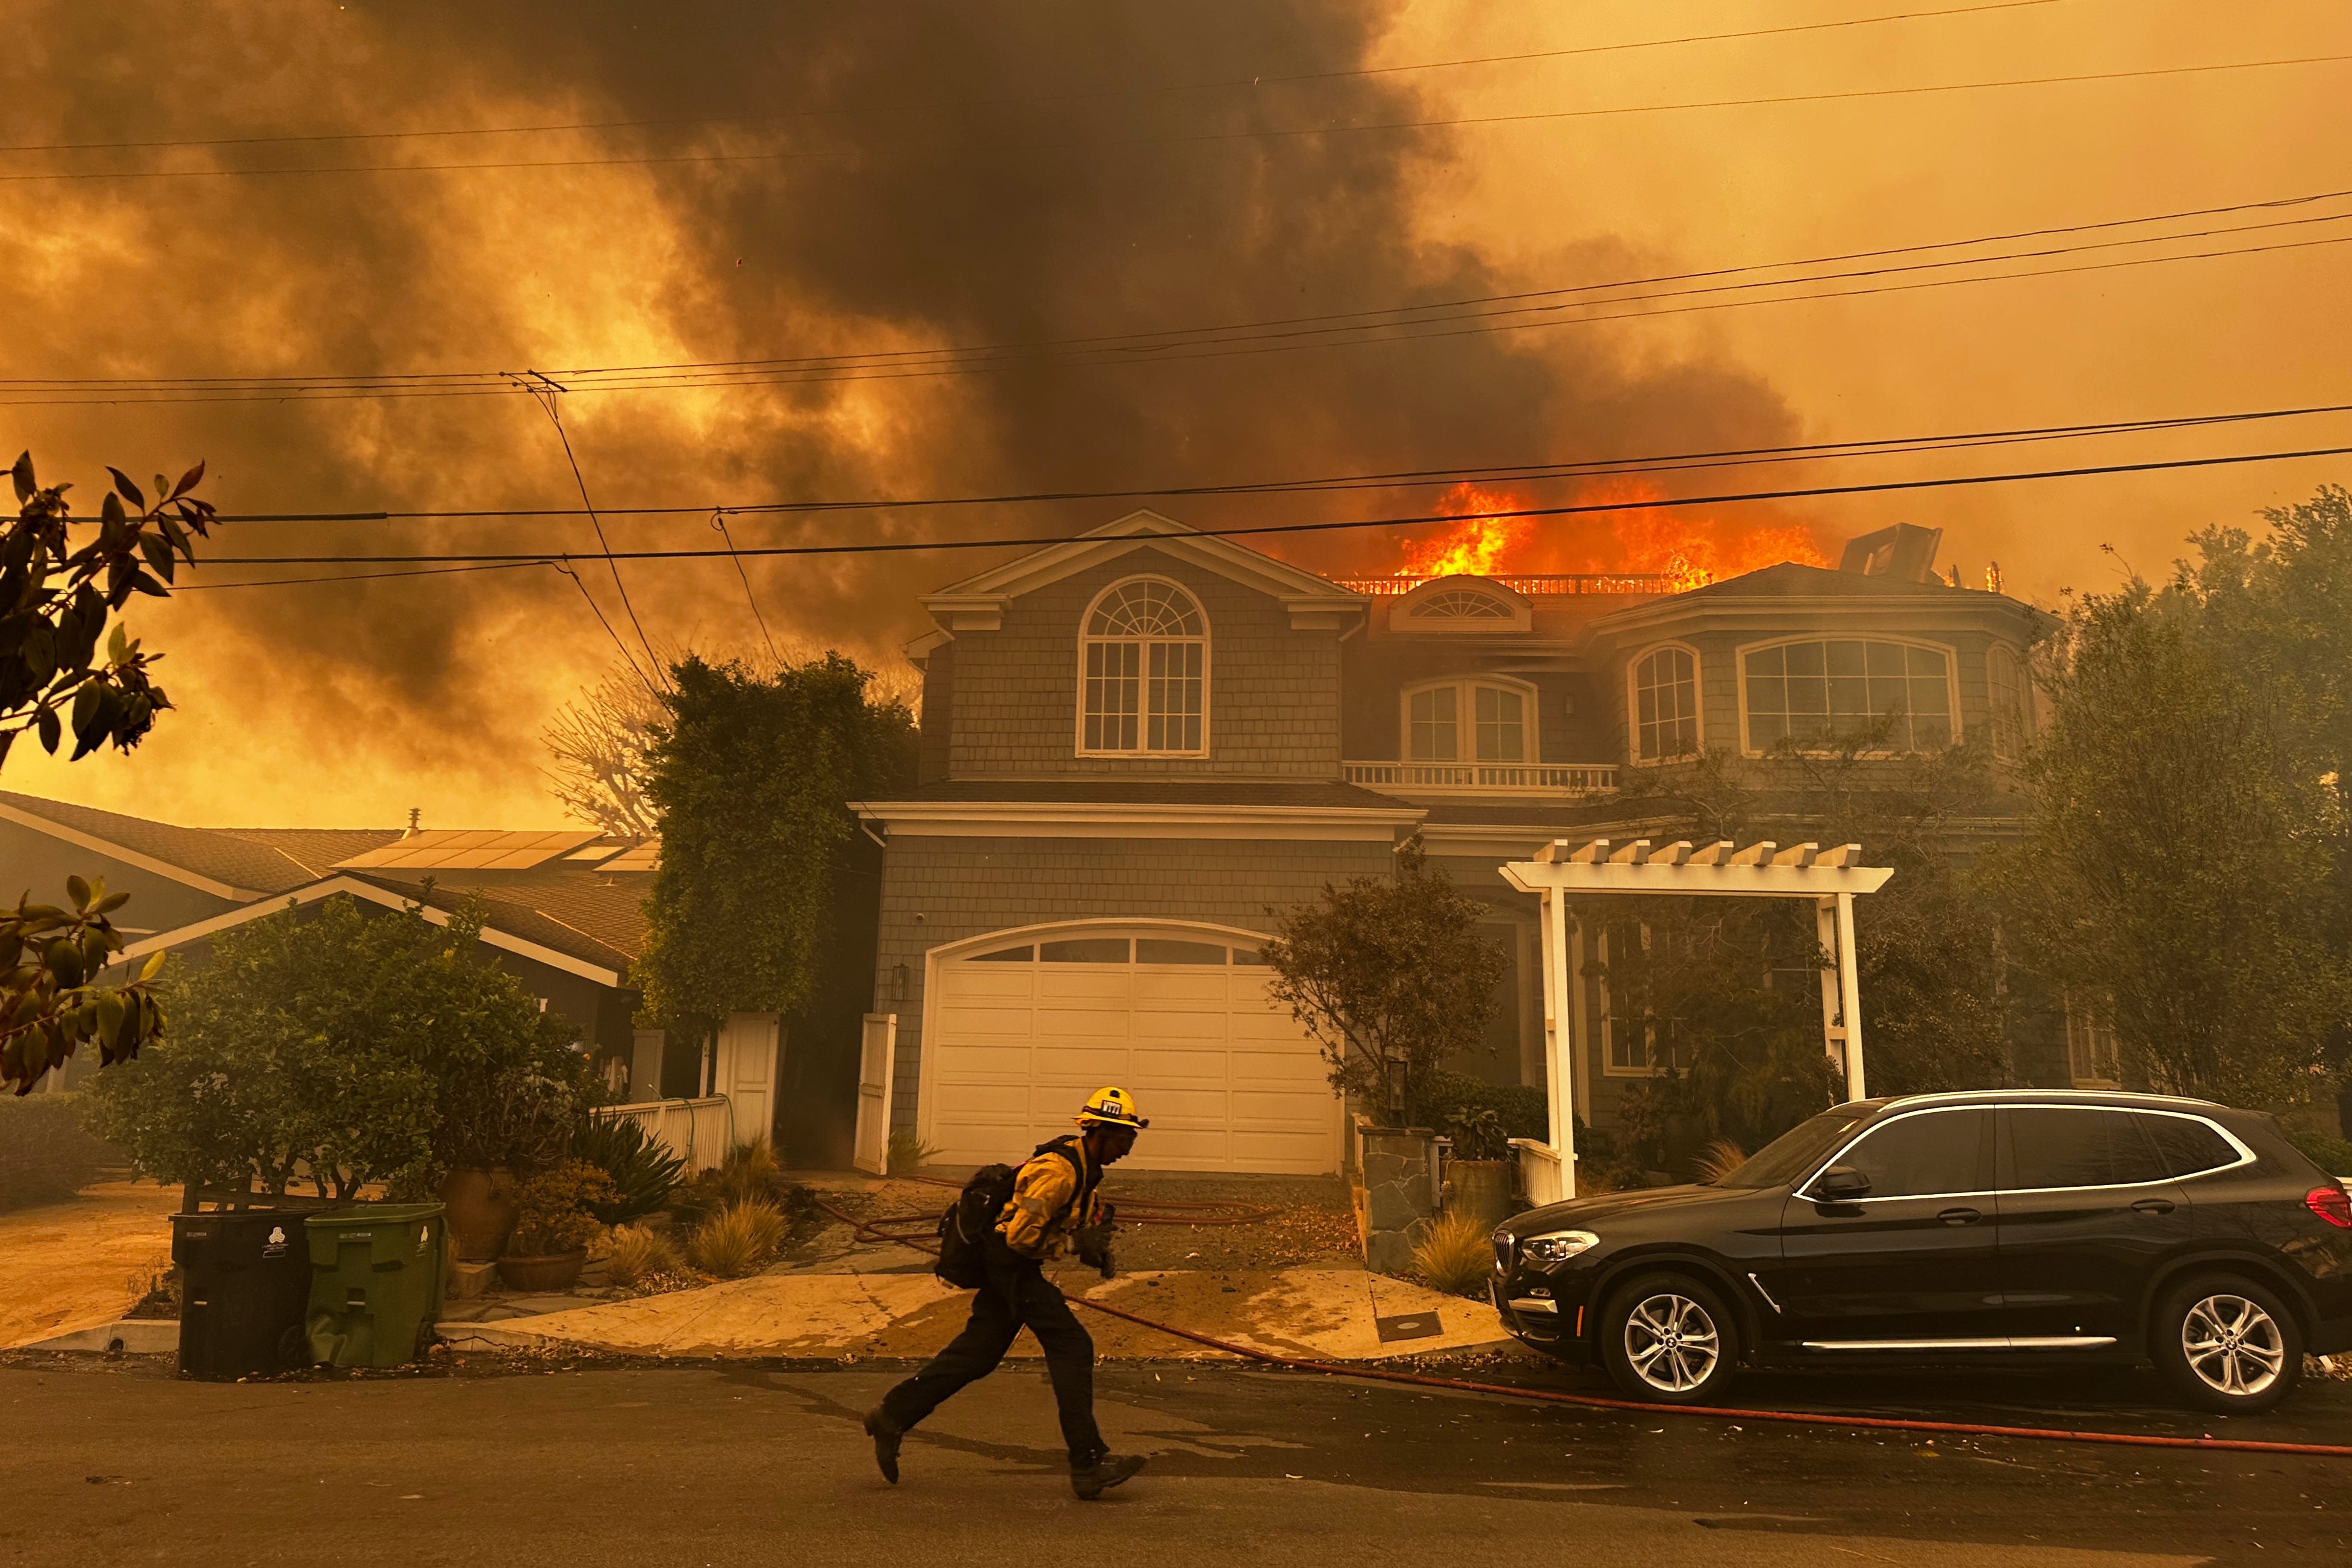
[1021, 1033]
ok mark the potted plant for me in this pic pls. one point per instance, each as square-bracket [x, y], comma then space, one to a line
[555, 1221]
[490, 1127]
[1478, 1177]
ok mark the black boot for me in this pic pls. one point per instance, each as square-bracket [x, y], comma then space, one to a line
[887, 1438]
[1090, 1481]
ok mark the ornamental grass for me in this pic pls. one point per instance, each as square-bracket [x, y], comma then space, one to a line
[1454, 1254]
[739, 1239]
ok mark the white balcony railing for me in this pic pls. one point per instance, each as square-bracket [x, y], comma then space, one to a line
[1522, 780]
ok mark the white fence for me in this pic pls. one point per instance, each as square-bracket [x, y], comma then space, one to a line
[699, 1131]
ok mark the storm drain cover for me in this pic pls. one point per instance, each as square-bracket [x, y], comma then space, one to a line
[1408, 1326]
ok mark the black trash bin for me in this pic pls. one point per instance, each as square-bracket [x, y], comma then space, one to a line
[245, 1284]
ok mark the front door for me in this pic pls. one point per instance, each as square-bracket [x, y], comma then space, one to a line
[2087, 1211]
[1909, 1265]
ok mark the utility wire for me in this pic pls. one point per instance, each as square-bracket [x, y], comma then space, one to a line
[901, 107]
[1584, 509]
[718, 521]
[545, 394]
[1257, 338]
[1497, 473]
[1186, 138]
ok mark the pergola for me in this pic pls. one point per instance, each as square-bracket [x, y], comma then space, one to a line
[1831, 878]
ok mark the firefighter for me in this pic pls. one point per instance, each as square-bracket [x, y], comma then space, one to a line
[1053, 1207]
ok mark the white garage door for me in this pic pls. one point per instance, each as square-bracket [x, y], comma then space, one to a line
[1020, 1034]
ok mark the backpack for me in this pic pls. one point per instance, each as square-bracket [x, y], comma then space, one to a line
[965, 1227]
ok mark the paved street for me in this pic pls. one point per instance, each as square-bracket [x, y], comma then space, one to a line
[703, 1466]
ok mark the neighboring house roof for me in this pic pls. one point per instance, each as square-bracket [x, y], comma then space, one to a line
[235, 863]
[576, 912]
[513, 925]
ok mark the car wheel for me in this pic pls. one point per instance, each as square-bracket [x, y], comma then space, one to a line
[1668, 1340]
[2227, 1344]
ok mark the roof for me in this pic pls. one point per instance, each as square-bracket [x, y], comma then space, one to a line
[243, 860]
[580, 913]
[482, 849]
[1788, 580]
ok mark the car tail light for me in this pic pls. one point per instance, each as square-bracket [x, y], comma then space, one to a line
[2330, 1205]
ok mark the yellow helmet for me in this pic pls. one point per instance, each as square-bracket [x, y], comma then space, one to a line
[1112, 1107]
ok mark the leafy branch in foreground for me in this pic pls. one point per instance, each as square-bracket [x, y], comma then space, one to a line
[50, 959]
[55, 600]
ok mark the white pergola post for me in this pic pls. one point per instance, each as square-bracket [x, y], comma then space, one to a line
[1832, 880]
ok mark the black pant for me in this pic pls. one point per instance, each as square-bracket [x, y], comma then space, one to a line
[1017, 1296]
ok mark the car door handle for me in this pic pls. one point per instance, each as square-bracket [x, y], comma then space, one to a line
[2152, 1206]
[1960, 1217]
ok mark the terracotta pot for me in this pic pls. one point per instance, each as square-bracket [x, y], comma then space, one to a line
[549, 1271]
[1481, 1188]
[482, 1213]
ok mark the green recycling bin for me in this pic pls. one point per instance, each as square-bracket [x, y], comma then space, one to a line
[375, 1283]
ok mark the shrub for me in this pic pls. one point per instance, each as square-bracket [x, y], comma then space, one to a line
[1718, 1160]
[45, 1155]
[907, 1153]
[1454, 1254]
[2333, 1155]
[748, 1172]
[738, 1239]
[644, 1171]
[557, 1209]
[1518, 1110]
[639, 1254]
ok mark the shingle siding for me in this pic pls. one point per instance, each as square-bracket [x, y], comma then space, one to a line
[936, 892]
[1273, 702]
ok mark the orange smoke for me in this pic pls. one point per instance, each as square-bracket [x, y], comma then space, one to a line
[1688, 547]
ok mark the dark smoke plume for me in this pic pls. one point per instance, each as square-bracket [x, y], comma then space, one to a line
[872, 177]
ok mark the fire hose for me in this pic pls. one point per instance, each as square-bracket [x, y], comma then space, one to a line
[889, 1229]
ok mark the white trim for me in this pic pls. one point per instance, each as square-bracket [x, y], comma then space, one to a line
[977, 603]
[1633, 704]
[1087, 641]
[1466, 721]
[1951, 680]
[271, 904]
[1144, 819]
[1405, 618]
[129, 857]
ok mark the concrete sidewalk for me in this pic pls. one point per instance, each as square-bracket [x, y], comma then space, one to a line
[81, 1263]
[904, 1312]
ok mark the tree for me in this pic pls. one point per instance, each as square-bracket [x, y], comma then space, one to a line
[1391, 976]
[55, 600]
[599, 743]
[343, 1043]
[752, 776]
[2186, 868]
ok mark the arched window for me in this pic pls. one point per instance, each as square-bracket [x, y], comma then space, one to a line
[1889, 696]
[2005, 688]
[1462, 605]
[1469, 720]
[1666, 705]
[1143, 672]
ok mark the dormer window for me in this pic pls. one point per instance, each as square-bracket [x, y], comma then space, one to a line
[1469, 720]
[1462, 605]
[1143, 666]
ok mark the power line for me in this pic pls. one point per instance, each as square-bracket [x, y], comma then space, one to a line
[1274, 335]
[1189, 138]
[545, 394]
[899, 107]
[373, 577]
[1496, 473]
[718, 521]
[1583, 509]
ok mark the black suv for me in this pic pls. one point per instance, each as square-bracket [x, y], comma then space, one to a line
[2014, 1225]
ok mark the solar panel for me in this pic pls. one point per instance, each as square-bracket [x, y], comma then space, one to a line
[646, 856]
[593, 853]
[470, 849]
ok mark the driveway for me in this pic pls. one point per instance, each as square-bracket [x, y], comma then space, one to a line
[83, 1262]
[626, 1468]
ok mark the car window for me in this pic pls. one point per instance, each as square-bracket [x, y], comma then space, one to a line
[1794, 1152]
[1924, 1155]
[2076, 1146]
[2186, 1146]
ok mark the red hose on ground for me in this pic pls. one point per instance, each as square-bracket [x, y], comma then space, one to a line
[866, 1230]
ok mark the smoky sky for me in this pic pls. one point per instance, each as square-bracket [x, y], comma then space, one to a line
[817, 179]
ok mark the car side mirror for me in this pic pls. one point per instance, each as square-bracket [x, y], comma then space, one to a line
[1841, 1183]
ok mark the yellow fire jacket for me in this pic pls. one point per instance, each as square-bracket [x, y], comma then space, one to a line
[1052, 1197]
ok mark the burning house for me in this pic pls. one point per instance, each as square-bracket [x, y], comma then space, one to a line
[1138, 745]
